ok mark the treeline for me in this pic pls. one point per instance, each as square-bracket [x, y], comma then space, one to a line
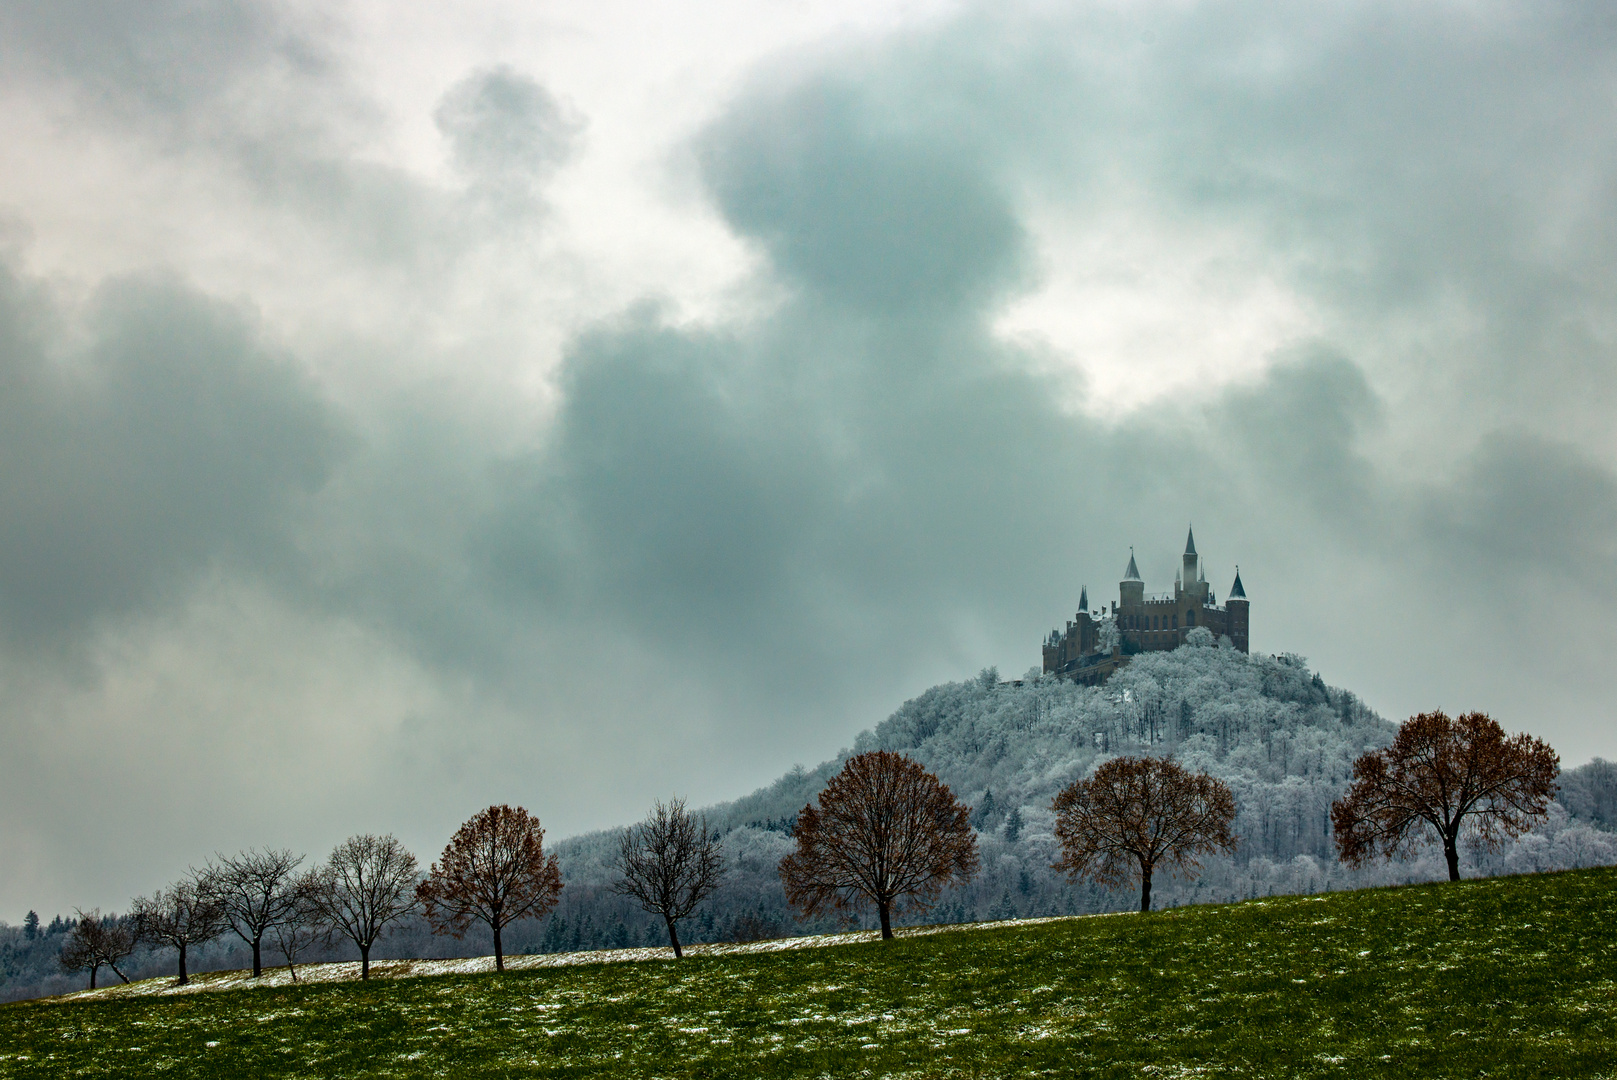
[1281, 739]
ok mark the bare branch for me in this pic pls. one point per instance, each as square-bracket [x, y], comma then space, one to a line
[183, 915]
[254, 889]
[669, 863]
[368, 883]
[95, 941]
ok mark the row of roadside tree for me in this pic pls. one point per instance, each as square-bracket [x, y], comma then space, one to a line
[883, 834]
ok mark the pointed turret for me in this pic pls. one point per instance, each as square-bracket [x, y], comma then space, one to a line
[1240, 613]
[1083, 598]
[1189, 566]
[1130, 595]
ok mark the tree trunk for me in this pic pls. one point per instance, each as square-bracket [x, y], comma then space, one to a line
[1451, 852]
[183, 978]
[499, 951]
[92, 975]
[1145, 888]
[258, 960]
[365, 961]
[116, 972]
[673, 937]
[886, 910]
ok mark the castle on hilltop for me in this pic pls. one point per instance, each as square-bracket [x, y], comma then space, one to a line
[1097, 643]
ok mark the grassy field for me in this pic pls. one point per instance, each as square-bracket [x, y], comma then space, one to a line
[1510, 977]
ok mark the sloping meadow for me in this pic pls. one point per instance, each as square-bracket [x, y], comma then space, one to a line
[1508, 977]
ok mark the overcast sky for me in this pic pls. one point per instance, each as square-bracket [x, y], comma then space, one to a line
[406, 407]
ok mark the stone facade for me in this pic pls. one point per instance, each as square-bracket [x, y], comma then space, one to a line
[1141, 623]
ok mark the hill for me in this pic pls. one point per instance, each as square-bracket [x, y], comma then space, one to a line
[1269, 727]
[1508, 977]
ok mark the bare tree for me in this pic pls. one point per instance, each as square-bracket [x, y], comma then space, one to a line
[494, 870]
[1137, 814]
[95, 941]
[255, 890]
[368, 884]
[669, 863]
[885, 831]
[1444, 773]
[178, 917]
[306, 924]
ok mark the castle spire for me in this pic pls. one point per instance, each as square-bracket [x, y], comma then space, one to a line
[1236, 592]
[1133, 572]
[1083, 598]
[1191, 570]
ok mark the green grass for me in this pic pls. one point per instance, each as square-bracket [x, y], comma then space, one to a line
[1510, 977]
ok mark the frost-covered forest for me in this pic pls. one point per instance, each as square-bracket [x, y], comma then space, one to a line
[1268, 727]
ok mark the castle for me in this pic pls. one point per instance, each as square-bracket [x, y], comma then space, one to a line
[1097, 643]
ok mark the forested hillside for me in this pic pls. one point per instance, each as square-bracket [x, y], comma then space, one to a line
[1267, 726]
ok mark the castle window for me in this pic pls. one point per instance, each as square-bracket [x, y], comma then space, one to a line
[1176, 622]
[1190, 617]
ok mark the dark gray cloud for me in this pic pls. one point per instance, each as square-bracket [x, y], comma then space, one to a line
[882, 221]
[871, 483]
[173, 440]
[736, 542]
[1526, 507]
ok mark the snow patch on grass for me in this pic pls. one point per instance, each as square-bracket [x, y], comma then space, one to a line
[348, 971]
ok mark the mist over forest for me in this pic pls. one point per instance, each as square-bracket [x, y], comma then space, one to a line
[1267, 726]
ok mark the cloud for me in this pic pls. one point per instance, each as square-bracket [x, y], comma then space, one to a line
[504, 127]
[882, 221]
[1524, 505]
[708, 546]
[170, 441]
[169, 57]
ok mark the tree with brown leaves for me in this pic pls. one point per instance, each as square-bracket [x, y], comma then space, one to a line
[669, 863]
[885, 831]
[495, 871]
[179, 917]
[94, 942]
[368, 884]
[1444, 774]
[1135, 815]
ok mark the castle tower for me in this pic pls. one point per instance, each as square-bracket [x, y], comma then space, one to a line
[1189, 572]
[1130, 594]
[1239, 609]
